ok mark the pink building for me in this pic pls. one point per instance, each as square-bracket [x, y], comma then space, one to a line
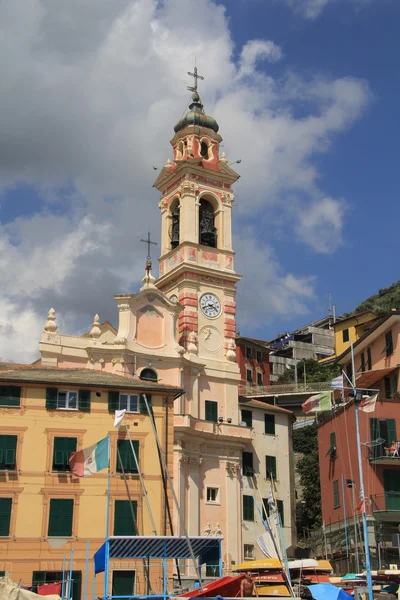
[377, 360]
[252, 357]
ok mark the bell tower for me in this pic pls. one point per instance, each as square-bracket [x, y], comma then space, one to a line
[197, 258]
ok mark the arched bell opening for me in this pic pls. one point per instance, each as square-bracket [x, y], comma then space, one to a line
[175, 224]
[207, 229]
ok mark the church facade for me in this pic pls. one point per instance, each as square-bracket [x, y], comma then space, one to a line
[180, 330]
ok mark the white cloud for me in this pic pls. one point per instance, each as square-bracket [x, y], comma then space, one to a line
[311, 9]
[90, 94]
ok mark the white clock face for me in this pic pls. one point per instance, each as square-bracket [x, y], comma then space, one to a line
[210, 305]
[174, 298]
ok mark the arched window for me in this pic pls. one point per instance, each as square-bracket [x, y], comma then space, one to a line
[148, 375]
[204, 150]
[207, 230]
[174, 228]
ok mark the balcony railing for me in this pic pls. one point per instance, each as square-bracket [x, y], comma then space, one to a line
[388, 502]
[252, 390]
[384, 454]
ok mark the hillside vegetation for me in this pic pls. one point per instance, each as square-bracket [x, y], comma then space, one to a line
[382, 302]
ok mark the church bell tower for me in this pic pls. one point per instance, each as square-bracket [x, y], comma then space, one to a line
[197, 259]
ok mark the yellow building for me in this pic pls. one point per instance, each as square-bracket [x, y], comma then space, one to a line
[349, 328]
[48, 413]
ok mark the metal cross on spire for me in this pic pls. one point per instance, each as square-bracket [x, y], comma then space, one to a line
[149, 244]
[196, 77]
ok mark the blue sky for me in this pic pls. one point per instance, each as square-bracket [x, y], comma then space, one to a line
[306, 94]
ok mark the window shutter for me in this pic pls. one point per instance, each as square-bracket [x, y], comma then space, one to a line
[279, 504]
[8, 452]
[391, 429]
[60, 518]
[38, 578]
[142, 404]
[10, 395]
[62, 450]
[84, 400]
[5, 516]
[270, 467]
[211, 411]
[123, 523]
[51, 398]
[269, 421]
[248, 508]
[125, 450]
[113, 401]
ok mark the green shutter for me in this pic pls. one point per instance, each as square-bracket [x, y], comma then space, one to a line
[10, 395]
[374, 433]
[369, 359]
[211, 411]
[38, 578]
[125, 451]
[8, 452]
[62, 450]
[113, 401]
[142, 404]
[247, 417]
[247, 463]
[123, 583]
[279, 504]
[270, 467]
[336, 501]
[248, 508]
[5, 516]
[123, 523]
[60, 518]
[391, 429]
[51, 398]
[84, 400]
[269, 421]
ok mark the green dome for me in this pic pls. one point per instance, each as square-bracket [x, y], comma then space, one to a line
[196, 116]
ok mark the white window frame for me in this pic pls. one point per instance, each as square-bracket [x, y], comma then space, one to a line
[132, 403]
[217, 500]
[249, 555]
[67, 399]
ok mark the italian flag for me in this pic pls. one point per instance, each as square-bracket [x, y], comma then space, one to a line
[90, 460]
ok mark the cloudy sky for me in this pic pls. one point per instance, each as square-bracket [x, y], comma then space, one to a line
[306, 95]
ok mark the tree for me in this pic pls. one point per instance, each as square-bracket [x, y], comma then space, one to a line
[315, 372]
[308, 510]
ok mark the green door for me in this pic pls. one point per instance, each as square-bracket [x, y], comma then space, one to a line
[123, 583]
[391, 483]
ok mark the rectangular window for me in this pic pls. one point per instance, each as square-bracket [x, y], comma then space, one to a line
[5, 516]
[247, 463]
[60, 518]
[249, 376]
[129, 402]
[123, 583]
[332, 439]
[259, 356]
[266, 507]
[212, 569]
[8, 452]
[249, 353]
[388, 388]
[349, 371]
[124, 522]
[67, 399]
[248, 508]
[247, 417]
[388, 344]
[270, 467]
[345, 334]
[10, 395]
[126, 454]
[62, 449]
[269, 424]
[259, 378]
[369, 359]
[211, 411]
[362, 362]
[336, 499]
[213, 495]
[279, 505]
[43, 577]
[248, 551]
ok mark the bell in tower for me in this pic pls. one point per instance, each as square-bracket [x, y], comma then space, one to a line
[174, 229]
[207, 230]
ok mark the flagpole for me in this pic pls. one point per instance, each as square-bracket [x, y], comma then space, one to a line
[362, 497]
[107, 519]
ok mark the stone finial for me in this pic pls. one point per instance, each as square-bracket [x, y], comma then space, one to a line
[148, 279]
[95, 332]
[192, 345]
[223, 158]
[168, 164]
[231, 351]
[51, 323]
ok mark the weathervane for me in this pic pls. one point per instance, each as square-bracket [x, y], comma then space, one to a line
[196, 77]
